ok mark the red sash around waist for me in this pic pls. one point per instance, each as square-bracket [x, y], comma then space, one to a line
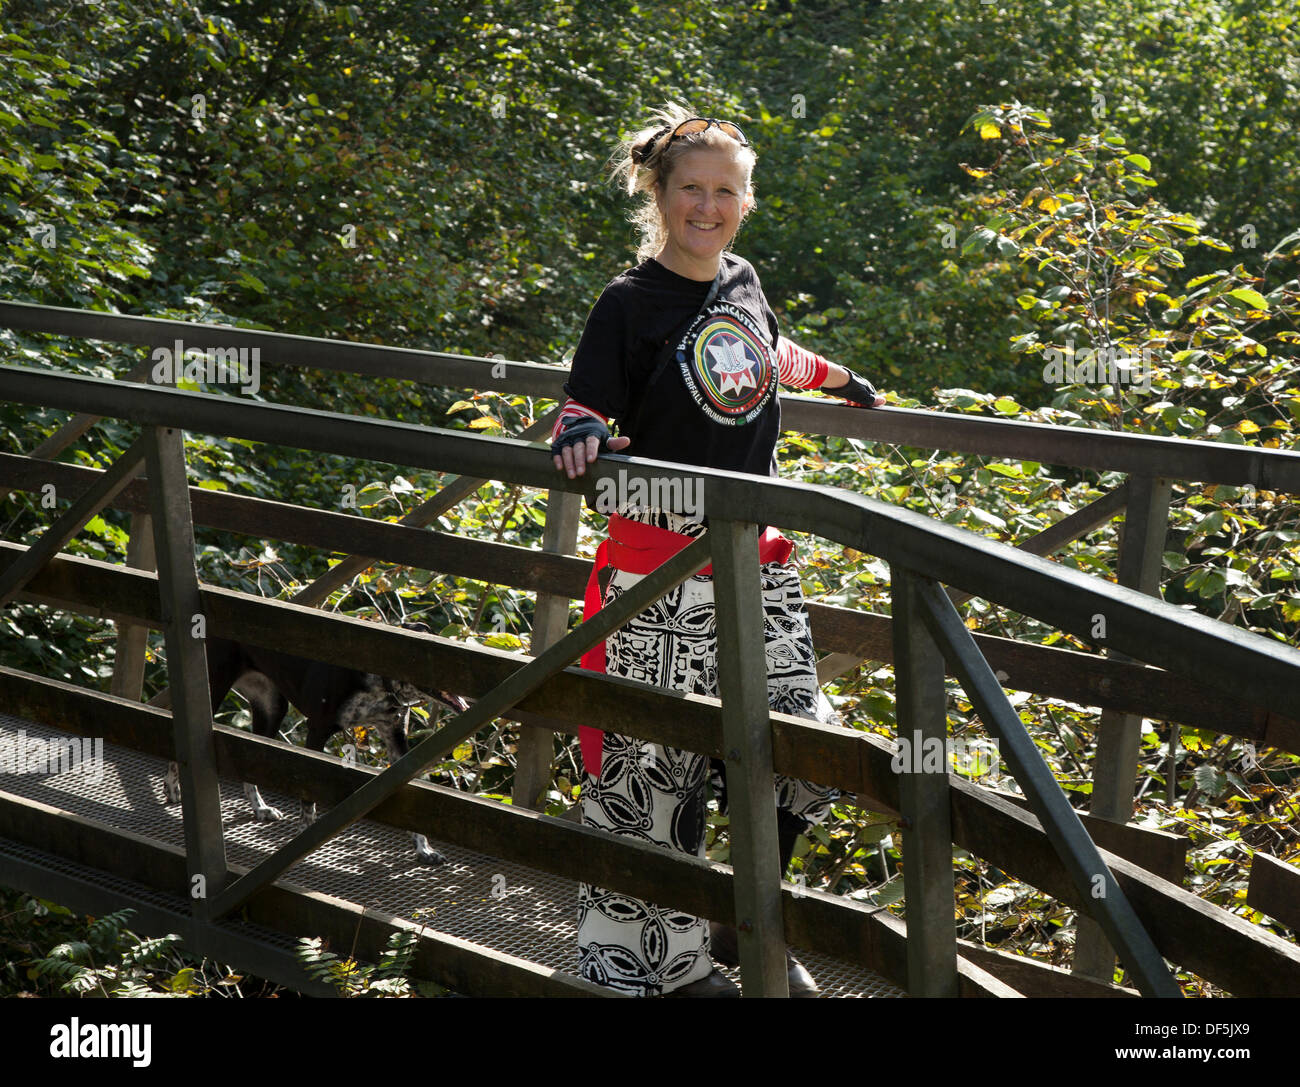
[637, 548]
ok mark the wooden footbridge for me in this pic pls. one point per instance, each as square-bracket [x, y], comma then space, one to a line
[499, 917]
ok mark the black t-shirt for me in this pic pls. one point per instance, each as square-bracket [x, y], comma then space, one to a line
[715, 402]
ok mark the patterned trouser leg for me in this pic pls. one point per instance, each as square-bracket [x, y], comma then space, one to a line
[657, 794]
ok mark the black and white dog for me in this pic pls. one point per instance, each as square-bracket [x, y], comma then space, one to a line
[331, 697]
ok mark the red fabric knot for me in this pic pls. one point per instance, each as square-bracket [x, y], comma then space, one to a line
[637, 548]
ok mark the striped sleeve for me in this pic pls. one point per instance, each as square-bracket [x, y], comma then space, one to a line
[798, 366]
[571, 413]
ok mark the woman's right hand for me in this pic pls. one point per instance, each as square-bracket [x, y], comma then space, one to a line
[573, 459]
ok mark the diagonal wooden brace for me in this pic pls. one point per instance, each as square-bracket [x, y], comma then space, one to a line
[1091, 877]
[90, 502]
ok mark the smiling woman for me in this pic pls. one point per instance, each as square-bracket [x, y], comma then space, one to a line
[684, 354]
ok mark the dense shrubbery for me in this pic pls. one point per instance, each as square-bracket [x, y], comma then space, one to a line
[431, 175]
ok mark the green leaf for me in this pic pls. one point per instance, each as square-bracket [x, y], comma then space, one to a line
[1251, 297]
[503, 640]
[1209, 780]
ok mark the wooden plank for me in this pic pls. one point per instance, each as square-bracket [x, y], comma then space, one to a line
[75, 427]
[923, 798]
[1077, 447]
[1274, 889]
[747, 739]
[82, 889]
[535, 750]
[1082, 447]
[184, 631]
[462, 966]
[1159, 852]
[133, 638]
[437, 368]
[1037, 979]
[71, 521]
[407, 545]
[1119, 735]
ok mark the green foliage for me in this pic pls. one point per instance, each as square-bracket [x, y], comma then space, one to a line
[431, 175]
[1129, 342]
[353, 979]
[109, 961]
[47, 949]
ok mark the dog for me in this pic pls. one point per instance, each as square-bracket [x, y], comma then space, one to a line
[331, 697]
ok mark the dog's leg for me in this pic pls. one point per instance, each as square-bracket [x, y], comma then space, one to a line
[267, 705]
[392, 729]
[425, 852]
[262, 811]
[172, 783]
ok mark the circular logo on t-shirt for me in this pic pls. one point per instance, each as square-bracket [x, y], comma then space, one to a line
[727, 365]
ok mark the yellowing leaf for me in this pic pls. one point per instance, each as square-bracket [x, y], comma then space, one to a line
[989, 131]
[1246, 426]
[1049, 203]
[484, 422]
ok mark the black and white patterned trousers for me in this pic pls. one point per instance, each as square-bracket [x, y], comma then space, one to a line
[657, 794]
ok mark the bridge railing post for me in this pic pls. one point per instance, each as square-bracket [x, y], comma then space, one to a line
[1119, 735]
[922, 707]
[747, 745]
[533, 754]
[184, 631]
[133, 638]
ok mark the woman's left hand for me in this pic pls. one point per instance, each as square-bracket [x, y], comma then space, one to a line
[856, 390]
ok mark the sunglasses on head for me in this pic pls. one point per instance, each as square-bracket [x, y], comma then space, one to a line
[690, 127]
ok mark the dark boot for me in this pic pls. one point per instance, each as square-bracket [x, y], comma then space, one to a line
[723, 945]
[715, 985]
[724, 948]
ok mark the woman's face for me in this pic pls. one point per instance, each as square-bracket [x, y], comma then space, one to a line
[702, 201]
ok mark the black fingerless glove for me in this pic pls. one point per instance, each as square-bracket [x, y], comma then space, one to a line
[858, 391]
[579, 431]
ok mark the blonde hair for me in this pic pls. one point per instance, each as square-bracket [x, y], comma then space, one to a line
[647, 175]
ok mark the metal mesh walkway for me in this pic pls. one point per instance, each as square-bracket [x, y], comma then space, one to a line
[498, 904]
